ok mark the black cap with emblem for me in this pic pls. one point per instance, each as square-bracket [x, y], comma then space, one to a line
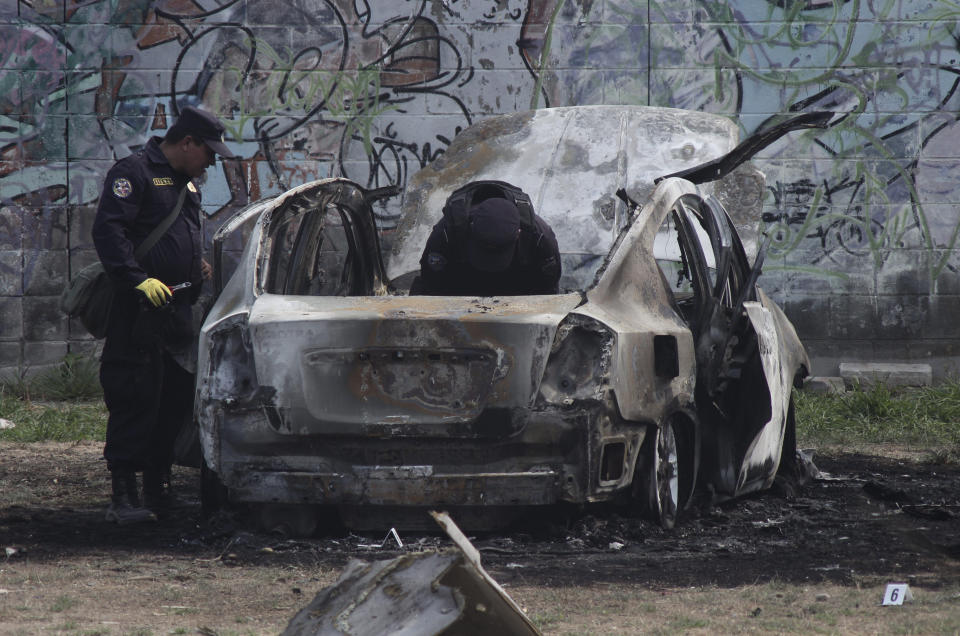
[204, 126]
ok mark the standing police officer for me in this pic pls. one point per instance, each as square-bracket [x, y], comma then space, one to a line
[489, 243]
[147, 393]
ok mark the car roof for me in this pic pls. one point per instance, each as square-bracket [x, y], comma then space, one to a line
[571, 161]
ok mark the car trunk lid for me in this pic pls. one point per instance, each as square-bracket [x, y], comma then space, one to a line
[400, 365]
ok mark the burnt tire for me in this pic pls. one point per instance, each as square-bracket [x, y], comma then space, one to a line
[666, 471]
[658, 476]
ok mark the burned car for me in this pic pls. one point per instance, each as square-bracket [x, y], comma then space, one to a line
[658, 369]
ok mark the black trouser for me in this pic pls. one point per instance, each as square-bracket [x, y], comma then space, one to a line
[148, 403]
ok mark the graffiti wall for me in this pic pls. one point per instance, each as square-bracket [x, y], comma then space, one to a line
[862, 217]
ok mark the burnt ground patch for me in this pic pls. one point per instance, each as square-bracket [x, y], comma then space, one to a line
[864, 517]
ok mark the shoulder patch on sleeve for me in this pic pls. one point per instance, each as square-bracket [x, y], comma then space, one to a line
[122, 188]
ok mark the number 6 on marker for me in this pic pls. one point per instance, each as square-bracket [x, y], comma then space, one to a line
[896, 594]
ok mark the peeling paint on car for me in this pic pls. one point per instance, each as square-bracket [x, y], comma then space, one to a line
[322, 382]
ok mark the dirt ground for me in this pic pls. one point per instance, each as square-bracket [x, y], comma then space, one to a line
[866, 520]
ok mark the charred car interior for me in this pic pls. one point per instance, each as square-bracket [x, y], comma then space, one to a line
[659, 369]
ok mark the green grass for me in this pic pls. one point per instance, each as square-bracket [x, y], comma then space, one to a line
[926, 418]
[64, 404]
[67, 421]
[76, 377]
[63, 603]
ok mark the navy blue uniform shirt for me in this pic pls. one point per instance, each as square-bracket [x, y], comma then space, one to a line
[138, 194]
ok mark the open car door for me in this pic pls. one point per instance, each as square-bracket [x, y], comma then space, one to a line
[742, 393]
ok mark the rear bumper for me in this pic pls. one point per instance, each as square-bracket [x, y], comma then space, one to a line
[401, 485]
[536, 457]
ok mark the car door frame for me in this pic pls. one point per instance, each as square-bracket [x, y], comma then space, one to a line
[728, 344]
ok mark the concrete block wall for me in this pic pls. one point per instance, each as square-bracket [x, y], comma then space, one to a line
[863, 216]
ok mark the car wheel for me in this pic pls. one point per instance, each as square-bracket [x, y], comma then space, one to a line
[662, 467]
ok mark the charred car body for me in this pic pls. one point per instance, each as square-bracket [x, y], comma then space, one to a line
[659, 367]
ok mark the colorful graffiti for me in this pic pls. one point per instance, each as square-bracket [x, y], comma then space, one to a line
[877, 182]
[374, 91]
[324, 92]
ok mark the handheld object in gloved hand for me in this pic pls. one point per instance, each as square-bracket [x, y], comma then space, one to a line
[156, 292]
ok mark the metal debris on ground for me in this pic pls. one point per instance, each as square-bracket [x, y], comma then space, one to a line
[394, 535]
[437, 592]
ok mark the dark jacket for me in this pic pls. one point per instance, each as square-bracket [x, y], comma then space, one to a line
[138, 193]
[445, 270]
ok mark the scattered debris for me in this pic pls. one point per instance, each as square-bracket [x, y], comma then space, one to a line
[396, 537]
[883, 492]
[930, 511]
[437, 592]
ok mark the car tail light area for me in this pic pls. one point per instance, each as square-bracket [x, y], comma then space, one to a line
[231, 376]
[577, 380]
[579, 364]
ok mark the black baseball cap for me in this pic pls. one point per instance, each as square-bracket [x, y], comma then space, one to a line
[494, 231]
[202, 125]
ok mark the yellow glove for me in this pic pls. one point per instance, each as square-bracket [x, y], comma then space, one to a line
[155, 291]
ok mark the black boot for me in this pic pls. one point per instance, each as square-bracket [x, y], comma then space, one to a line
[125, 505]
[157, 493]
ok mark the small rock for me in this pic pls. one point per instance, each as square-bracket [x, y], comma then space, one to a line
[824, 384]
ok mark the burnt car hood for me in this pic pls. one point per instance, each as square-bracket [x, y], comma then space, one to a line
[347, 363]
[571, 161]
